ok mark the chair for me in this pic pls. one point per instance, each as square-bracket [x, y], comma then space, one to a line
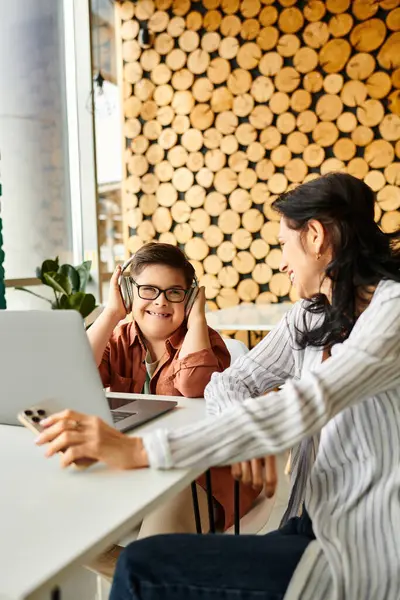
[255, 520]
[236, 348]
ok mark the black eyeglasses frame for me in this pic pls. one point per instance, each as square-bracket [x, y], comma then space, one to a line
[160, 291]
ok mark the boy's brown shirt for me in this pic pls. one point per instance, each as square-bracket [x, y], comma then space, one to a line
[123, 367]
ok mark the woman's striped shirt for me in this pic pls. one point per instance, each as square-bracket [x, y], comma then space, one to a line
[352, 401]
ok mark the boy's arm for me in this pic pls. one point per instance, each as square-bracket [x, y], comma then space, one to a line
[197, 337]
[203, 353]
[100, 332]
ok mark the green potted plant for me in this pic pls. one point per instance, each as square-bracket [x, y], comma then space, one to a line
[68, 284]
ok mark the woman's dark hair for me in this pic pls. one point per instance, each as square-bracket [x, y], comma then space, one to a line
[162, 254]
[362, 255]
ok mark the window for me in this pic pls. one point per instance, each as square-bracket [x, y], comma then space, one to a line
[46, 141]
[36, 210]
[108, 127]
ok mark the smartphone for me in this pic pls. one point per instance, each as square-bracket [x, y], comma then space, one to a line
[32, 416]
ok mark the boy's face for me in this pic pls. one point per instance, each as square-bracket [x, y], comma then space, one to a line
[159, 318]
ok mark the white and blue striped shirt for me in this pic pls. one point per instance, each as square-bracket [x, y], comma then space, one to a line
[352, 400]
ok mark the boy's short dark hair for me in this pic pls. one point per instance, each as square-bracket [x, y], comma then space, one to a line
[155, 253]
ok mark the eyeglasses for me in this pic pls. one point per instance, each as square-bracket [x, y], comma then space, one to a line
[150, 292]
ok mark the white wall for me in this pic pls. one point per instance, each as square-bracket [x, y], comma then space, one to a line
[33, 135]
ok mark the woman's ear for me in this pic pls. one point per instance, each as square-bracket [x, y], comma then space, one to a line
[316, 237]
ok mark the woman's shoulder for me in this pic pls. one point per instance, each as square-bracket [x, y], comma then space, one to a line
[383, 308]
[387, 289]
[300, 316]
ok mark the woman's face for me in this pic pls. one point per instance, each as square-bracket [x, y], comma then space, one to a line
[302, 258]
[159, 318]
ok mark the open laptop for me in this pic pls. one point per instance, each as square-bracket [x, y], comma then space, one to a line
[45, 355]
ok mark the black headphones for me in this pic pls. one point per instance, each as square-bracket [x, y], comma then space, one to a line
[126, 288]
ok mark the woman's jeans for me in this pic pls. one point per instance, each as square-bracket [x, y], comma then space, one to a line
[212, 566]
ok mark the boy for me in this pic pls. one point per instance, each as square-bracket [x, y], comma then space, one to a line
[160, 352]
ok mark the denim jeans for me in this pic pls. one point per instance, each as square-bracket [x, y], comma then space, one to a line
[212, 567]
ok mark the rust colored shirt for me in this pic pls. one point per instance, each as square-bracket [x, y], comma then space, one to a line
[123, 366]
[123, 369]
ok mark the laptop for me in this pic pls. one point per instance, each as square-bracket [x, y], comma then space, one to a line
[45, 355]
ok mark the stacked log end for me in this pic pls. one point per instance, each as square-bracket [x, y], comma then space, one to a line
[237, 102]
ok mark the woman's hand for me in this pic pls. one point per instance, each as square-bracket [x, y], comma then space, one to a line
[80, 436]
[115, 304]
[258, 472]
[198, 312]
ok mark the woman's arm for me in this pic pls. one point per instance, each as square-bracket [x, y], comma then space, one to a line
[267, 366]
[366, 364]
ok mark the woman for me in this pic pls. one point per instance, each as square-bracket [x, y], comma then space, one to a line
[346, 544]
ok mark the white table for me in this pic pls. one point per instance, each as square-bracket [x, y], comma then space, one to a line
[248, 317]
[53, 520]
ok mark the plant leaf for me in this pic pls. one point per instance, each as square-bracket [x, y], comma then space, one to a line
[83, 303]
[84, 272]
[22, 289]
[72, 274]
[88, 305]
[62, 303]
[59, 283]
[48, 266]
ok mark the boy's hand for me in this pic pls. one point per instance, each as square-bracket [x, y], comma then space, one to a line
[115, 304]
[198, 313]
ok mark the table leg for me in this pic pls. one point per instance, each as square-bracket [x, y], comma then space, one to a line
[196, 509]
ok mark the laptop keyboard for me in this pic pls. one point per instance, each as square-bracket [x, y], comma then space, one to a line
[118, 416]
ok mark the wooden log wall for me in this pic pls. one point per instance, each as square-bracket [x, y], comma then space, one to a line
[237, 101]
